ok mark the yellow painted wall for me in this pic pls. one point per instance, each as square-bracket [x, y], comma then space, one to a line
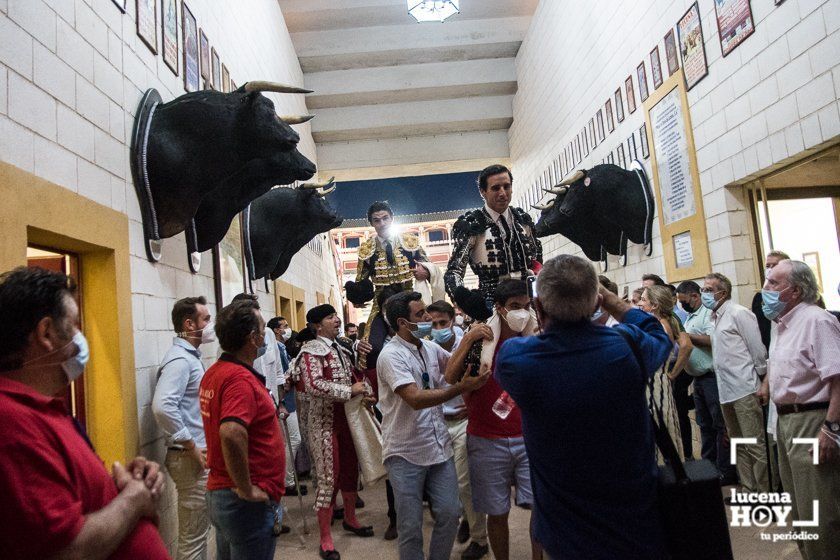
[35, 211]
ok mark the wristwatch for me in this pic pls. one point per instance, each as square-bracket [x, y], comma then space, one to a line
[833, 427]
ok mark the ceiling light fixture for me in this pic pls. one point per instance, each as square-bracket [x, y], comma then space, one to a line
[432, 10]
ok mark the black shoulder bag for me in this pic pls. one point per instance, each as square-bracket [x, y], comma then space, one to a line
[689, 496]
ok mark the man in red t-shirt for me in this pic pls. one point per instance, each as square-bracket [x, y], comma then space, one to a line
[495, 446]
[58, 499]
[245, 448]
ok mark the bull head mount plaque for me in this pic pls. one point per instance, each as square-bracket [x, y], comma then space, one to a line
[200, 159]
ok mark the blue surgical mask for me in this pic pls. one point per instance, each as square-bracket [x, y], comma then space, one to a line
[771, 305]
[74, 366]
[424, 329]
[442, 336]
[708, 300]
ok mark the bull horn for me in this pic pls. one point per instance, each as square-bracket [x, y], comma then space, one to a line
[276, 87]
[555, 190]
[325, 192]
[316, 185]
[571, 178]
[543, 206]
[295, 119]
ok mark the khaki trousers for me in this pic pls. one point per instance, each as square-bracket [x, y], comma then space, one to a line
[807, 482]
[477, 521]
[744, 419]
[193, 523]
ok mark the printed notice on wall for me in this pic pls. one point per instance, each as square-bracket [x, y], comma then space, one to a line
[671, 149]
[683, 251]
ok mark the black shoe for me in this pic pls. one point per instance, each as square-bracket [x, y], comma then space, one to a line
[391, 533]
[474, 551]
[329, 554]
[463, 531]
[293, 490]
[360, 503]
[358, 531]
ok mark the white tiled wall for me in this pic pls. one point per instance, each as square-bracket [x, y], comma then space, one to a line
[773, 97]
[71, 75]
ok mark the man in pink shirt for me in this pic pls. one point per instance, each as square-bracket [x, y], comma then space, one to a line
[804, 382]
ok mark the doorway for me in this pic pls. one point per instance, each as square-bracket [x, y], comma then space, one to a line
[66, 263]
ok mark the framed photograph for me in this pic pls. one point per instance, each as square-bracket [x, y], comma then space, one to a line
[585, 141]
[120, 4]
[671, 56]
[225, 79]
[622, 162]
[692, 49]
[169, 19]
[147, 23]
[593, 138]
[631, 96]
[734, 23]
[655, 67]
[599, 116]
[229, 265]
[204, 46]
[643, 141]
[216, 81]
[189, 30]
[641, 76]
[233, 86]
[619, 106]
[610, 121]
[610, 158]
[578, 151]
[631, 147]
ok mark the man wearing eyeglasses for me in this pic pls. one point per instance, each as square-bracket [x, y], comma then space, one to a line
[416, 446]
[740, 361]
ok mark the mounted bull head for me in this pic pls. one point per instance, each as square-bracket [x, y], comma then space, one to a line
[211, 142]
[279, 223]
[603, 207]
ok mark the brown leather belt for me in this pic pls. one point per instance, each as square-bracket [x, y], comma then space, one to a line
[783, 409]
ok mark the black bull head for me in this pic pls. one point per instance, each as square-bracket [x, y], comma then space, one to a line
[207, 154]
[279, 223]
[600, 209]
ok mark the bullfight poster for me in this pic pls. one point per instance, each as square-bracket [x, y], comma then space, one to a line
[735, 23]
[693, 51]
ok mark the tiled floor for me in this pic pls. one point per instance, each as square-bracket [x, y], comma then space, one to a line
[746, 543]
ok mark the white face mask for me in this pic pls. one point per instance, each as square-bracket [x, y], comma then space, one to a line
[518, 319]
[208, 334]
[459, 320]
[287, 333]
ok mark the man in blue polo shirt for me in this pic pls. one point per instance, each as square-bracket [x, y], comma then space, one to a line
[585, 420]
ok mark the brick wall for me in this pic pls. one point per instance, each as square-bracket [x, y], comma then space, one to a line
[71, 75]
[772, 98]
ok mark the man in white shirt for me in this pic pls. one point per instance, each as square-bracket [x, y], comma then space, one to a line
[740, 361]
[416, 446]
[474, 524]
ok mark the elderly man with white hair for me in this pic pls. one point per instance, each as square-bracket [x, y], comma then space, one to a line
[586, 424]
[804, 382]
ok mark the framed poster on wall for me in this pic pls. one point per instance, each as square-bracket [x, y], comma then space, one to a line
[204, 45]
[147, 23]
[619, 106]
[655, 68]
[734, 23]
[692, 49]
[190, 32]
[229, 265]
[641, 76]
[216, 67]
[671, 56]
[608, 109]
[169, 24]
[600, 117]
[676, 180]
[631, 96]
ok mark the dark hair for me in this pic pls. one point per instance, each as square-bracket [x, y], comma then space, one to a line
[27, 295]
[274, 322]
[687, 287]
[247, 297]
[608, 284]
[509, 288]
[657, 280]
[398, 306]
[348, 325]
[185, 309]
[442, 307]
[489, 172]
[236, 322]
[379, 206]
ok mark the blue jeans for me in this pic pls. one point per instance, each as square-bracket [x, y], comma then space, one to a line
[440, 481]
[714, 446]
[243, 529]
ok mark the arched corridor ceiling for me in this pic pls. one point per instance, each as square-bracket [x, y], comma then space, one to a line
[396, 98]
